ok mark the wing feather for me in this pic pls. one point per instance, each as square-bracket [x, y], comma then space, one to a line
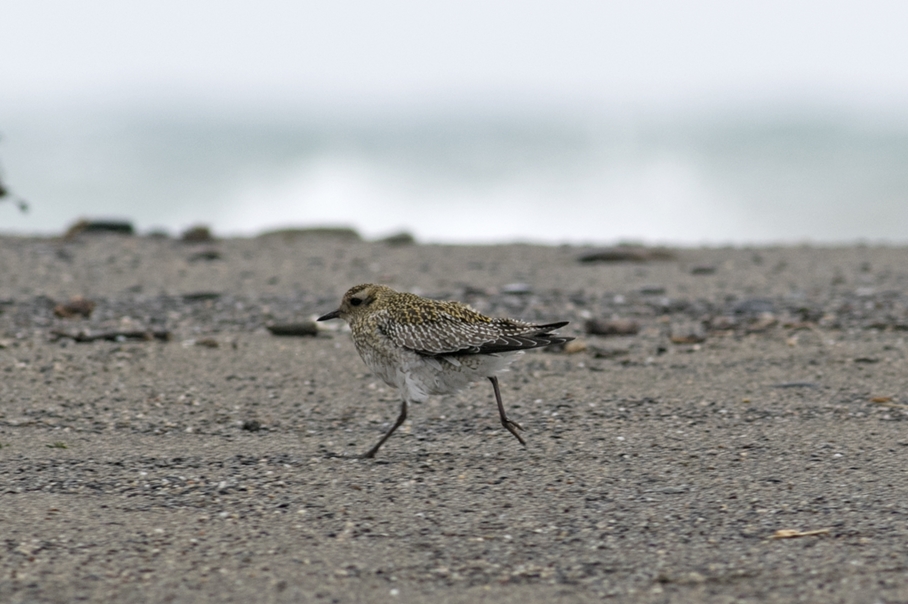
[448, 334]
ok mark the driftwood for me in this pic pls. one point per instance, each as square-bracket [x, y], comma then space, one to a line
[117, 335]
[306, 328]
[627, 253]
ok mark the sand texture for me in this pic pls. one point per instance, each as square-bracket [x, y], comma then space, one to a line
[763, 390]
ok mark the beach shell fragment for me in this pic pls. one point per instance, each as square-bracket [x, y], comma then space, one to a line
[793, 533]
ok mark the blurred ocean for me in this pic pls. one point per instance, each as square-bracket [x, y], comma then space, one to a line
[700, 178]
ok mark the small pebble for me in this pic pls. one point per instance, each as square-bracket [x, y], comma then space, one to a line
[652, 290]
[612, 327]
[687, 333]
[574, 346]
[77, 306]
[517, 288]
[754, 306]
[209, 254]
[197, 234]
[603, 352]
[703, 269]
[722, 323]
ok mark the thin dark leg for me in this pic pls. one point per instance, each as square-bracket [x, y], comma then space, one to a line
[504, 418]
[400, 419]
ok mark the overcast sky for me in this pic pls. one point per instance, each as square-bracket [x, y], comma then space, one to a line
[671, 52]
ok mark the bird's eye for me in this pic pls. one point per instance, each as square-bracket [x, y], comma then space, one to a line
[355, 301]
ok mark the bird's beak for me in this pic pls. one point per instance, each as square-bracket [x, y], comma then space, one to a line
[330, 315]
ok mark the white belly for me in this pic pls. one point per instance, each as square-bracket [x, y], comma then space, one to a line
[419, 376]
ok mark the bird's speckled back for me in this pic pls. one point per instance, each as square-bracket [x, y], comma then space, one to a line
[379, 316]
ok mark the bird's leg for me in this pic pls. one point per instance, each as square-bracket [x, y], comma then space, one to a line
[400, 419]
[504, 417]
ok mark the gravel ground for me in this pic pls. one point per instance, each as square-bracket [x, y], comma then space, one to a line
[765, 390]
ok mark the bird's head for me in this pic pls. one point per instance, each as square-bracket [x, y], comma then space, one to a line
[358, 301]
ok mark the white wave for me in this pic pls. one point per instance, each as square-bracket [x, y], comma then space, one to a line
[664, 200]
[468, 181]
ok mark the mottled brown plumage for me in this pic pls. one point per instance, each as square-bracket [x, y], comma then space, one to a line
[424, 347]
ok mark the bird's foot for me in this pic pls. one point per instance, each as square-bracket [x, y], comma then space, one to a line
[512, 427]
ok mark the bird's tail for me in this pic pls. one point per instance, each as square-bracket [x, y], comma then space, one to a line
[551, 326]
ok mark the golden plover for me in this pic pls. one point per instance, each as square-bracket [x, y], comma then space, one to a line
[422, 346]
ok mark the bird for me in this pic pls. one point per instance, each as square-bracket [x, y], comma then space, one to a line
[424, 347]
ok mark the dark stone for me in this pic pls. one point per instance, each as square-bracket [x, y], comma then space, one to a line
[627, 253]
[201, 296]
[652, 290]
[703, 269]
[94, 227]
[209, 254]
[602, 352]
[796, 385]
[197, 234]
[616, 254]
[402, 238]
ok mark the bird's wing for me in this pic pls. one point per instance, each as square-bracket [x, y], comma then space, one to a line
[442, 334]
[447, 334]
[522, 342]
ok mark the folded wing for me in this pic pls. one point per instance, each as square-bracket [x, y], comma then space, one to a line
[447, 334]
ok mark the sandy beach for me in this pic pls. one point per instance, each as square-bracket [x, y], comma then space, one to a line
[745, 439]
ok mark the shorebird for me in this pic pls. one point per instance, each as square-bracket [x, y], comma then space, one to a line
[423, 347]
